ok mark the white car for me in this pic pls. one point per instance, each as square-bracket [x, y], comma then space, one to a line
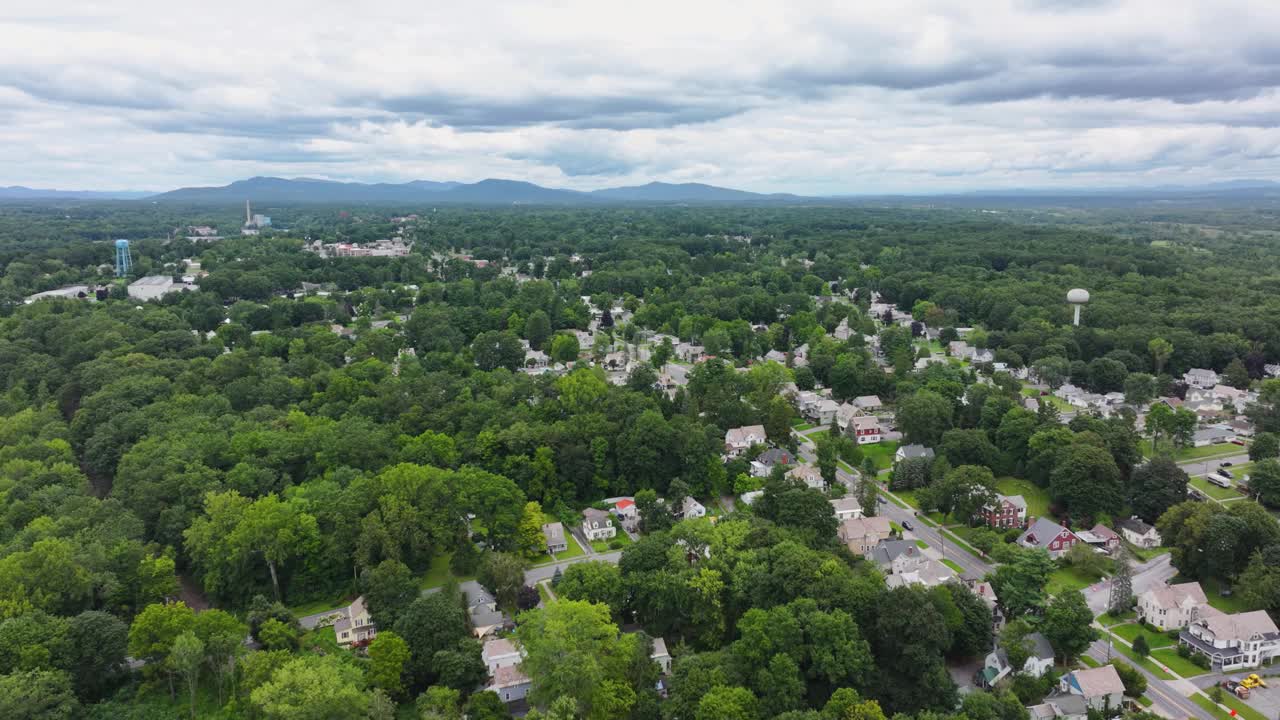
[1219, 480]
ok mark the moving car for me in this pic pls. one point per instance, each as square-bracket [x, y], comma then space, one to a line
[906, 525]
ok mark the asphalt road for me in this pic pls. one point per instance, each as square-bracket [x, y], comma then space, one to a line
[1167, 699]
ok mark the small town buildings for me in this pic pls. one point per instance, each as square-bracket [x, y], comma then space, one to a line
[355, 626]
[1100, 687]
[1200, 378]
[862, 535]
[866, 429]
[626, 512]
[867, 403]
[597, 525]
[499, 652]
[70, 292]
[1232, 642]
[825, 411]
[739, 440]
[509, 683]
[483, 611]
[1048, 535]
[661, 656]
[765, 462]
[556, 540]
[1101, 537]
[691, 509]
[1040, 661]
[776, 356]
[809, 475]
[1205, 437]
[846, 508]
[908, 452]
[1008, 511]
[1060, 707]
[154, 287]
[1139, 533]
[1172, 607]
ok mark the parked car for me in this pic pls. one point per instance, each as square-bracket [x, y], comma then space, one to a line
[906, 525]
[1225, 472]
[1238, 441]
[1228, 463]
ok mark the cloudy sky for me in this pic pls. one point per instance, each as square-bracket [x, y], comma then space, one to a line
[807, 97]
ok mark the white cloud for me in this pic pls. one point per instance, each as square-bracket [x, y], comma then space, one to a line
[802, 97]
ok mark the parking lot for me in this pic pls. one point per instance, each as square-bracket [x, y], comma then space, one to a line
[1264, 700]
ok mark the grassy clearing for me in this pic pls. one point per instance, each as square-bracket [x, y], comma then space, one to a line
[881, 452]
[813, 436]
[1213, 491]
[895, 500]
[1151, 667]
[1177, 663]
[922, 545]
[1196, 453]
[954, 566]
[1145, 701]
[1068, 578]
[1106, 619]
[1232, 604]
[1132, 631]
[801, 426]
[1037, 497]
[319, 606]
[438, 574]
[1145, 554]
[543, 593]
[602, 546]
[1090, 661]
[321, 641]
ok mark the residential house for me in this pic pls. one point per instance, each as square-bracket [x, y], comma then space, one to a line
[1008, 511]
[807, 402]
[908, 452]
[800, 356]
[615, 361]
[690, 353]
[691, 509]
[661, 656]
[845, 415]
[863, 534]
[556, 540]
[509, 683]
[846, 508]
[598, 525]
[905, 564]
[1172, 607]
[1139, 533]
[1232, 642]
[500, 652]
[980, 356]
[1048, 535]
[809, 475]
[776, 356]
[355, 626]
[482, 608]
[867, 403]
[765, 462]
[626, 512]
[825, 411]
[1200, 378]
[535, 359]
[1100, 687]
[866, 429]
[738, 440]
[1060, 707]
[1211, 436]
[1040, 661]
[1100, 536]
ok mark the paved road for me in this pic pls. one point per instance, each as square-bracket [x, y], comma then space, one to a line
[1151, 574]
[973, 567]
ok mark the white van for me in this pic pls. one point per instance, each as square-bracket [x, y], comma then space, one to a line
[1219, 480]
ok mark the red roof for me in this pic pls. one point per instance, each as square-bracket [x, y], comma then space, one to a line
[624, 504]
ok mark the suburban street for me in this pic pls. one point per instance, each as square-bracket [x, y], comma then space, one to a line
[1169, 697]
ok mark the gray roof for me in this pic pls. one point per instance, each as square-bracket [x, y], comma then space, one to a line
[1041, 647]
[1043, 530]
[886, 551]
[915, 451]
[774, 456]
[1135, 525]
[596, 515]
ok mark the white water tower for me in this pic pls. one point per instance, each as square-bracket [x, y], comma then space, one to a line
[1078, 298]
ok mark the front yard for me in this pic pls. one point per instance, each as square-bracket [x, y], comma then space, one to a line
[1037, 497]
[882, 452]
[1068, 578]
[602, 546]
[1196, 453]
[1213, 491]
[1132, 631]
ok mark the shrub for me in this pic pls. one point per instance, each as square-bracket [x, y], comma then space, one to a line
[615, 544]
[1140, 647]
[1201, 661]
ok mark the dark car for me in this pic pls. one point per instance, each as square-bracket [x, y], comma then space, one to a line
[906, 525]
[1226, 464]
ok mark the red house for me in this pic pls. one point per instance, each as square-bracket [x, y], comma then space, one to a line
[1008, 511]
[1048, 535]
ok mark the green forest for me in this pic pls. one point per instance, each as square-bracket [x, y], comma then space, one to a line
[184, 481]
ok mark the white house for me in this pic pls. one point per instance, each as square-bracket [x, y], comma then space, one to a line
[690, 509]
[598, 524]
[1201, 378]
[1040, 661]
[739, 440]
[355, 626]
[1139, 533]
[1232, 642]
[907, 452]
[809, 475]
[500, 652]
[553, 533]
[660, 655]
[1171, 607]
[846, 508]
[825, 411]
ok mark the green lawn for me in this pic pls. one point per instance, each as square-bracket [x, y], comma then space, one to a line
[800, 426]
[1213, 491]
[1131, 632]
[1151, 667]
[908, 497]
[1064, 579]
[602, 546]
[1054, 400]
[438, 574]
[318, 606]
[575, 550]
[1145, 701]
[1177, 663]
[321, 641]
[1106, 619]
[1090, 661]
[1145, 554]
[882, 452]
[1242, 708]
[922, 545]
[1037, 497]
[959, 570]
[1197, 453]
[542, 593]
[1233, 604]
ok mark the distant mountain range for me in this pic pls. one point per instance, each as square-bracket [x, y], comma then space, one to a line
[295, 191]
[272, 190]
[18, 192]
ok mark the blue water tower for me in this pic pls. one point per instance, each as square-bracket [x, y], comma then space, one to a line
[123, 265]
